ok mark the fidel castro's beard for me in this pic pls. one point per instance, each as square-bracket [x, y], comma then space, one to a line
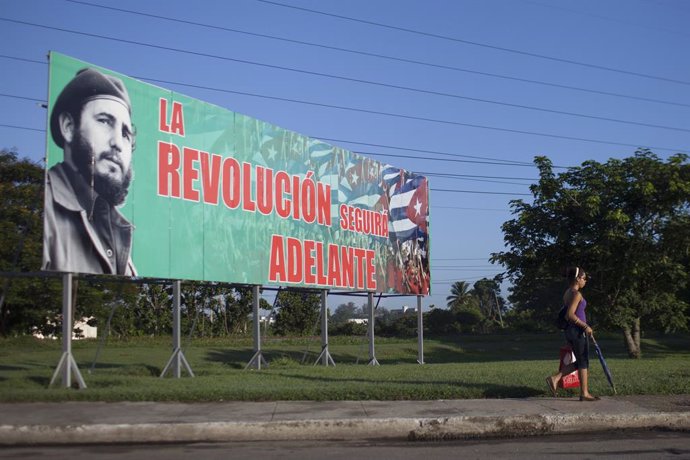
[112, 190]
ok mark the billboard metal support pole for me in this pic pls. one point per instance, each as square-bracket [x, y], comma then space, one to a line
[372, 355]
[177, 359]
[420, 331]
[325, 355]
[67, 364]
[258, 358]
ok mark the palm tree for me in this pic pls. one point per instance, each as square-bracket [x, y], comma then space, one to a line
[459, 294]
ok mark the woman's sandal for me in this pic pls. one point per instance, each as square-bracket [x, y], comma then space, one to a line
[589, 398]
[552, 387]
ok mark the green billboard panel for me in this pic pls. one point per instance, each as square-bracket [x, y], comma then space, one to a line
[142, 181]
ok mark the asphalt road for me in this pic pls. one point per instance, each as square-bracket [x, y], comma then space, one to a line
[616, 445]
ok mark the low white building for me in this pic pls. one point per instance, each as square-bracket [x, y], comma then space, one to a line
[80, 330]
[263, 319]
[358, 321]
[404, 310]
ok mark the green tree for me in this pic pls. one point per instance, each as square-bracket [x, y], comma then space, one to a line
[239, 304]
[440, 322]
[298, 313]
[624, 221]
[470, 317]
[490, 304]
[152, 312]
[345, 312]
[25, 303]
[97, 298]
[397, 326]
[459, 294]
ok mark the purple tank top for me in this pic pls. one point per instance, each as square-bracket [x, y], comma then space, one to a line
[580, 310]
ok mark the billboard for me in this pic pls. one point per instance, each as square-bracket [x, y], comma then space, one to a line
[143, 181]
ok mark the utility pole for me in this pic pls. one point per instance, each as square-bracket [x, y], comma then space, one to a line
[498, 308]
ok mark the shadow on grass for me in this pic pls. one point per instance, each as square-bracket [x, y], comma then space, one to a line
[656, 347]
[12, 368]
[487, 390]
[238, 358]
[481, 349]
[40, 380]
[441, 352]
[497, 348]
[458, 349]
[130, 369]
[463, 349]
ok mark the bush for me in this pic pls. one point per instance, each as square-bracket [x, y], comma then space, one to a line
[439, 322]
[347, 328]
[524, 321]
[470, 317]
[401, 327]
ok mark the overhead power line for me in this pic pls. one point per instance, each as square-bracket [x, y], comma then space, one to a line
[432, 189]
[494, 161]
[375, 83]
[454, 177]
[430, 120]
[453, 281]
[403, 116]
[483, 45]
[405, 88]
[476, 191]
[34, 61]
[463, 266]
[452, 160]
[410, 149]
[323, 75]
[461, 258]
[369, 153]
[471, 209]
[530, 179]
[472, 270]
[381, 56]
[677, 6]
[22, 97]
[411, 117]
[27, 128]
[636, 25]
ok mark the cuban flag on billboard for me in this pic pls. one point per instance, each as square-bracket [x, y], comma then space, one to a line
[392, 178]
[271, 147]
[320, 157]
[409, 209]
[360, 183]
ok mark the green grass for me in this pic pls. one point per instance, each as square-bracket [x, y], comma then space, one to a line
[497, 366]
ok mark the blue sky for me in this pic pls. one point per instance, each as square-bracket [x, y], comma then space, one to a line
[499, 80]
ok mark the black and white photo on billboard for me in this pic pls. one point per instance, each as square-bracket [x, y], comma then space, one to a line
[84, 232]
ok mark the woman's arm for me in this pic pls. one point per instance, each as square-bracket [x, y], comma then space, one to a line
[572, 300]
[572, 308]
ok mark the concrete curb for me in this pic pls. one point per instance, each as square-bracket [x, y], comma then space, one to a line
[531, 425]
[425, 429]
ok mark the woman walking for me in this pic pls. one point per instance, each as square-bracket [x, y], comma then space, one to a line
[576, 333]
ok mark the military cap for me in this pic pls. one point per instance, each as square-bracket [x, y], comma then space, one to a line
[88, 84]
